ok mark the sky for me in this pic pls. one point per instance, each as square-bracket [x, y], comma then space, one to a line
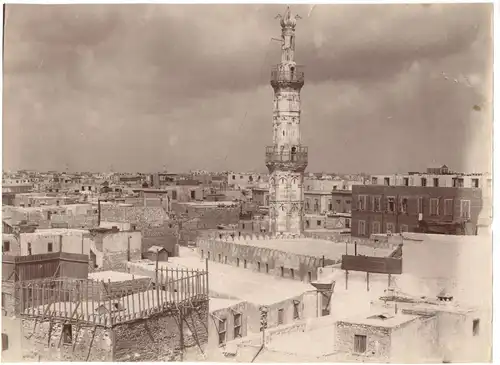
[388, 88]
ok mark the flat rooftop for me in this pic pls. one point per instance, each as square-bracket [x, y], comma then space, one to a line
[207, 204]
[220, 303]
[114, 276]
[233, 282]
[58, 231]
[380, 319]
[313, 247]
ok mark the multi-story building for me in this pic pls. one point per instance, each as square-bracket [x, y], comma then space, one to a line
[433, 177]
[380, 209]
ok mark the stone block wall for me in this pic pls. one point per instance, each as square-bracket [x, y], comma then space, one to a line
[142, 217]
[156, 338]
[378, 342]
[42, 343]
[8, 298]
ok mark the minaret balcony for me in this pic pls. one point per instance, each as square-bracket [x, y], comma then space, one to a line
[294, 158]
[281, 75]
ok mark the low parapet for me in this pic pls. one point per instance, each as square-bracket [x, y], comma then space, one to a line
[337, 238]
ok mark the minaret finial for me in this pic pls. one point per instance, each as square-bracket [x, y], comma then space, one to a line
[287, 20]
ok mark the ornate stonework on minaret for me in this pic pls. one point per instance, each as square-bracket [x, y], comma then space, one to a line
[286, 159]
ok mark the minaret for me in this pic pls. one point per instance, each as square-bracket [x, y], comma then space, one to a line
[286, 159]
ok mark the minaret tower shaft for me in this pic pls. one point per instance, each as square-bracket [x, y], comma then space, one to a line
[286, 159]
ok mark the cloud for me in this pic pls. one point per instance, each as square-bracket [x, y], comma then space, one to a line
[113, 82]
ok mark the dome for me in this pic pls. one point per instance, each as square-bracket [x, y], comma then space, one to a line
[287, 20]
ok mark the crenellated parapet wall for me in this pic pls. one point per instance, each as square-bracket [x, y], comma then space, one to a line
[390, 243]
[237, 252]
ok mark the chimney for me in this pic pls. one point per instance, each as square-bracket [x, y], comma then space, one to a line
[444, 296]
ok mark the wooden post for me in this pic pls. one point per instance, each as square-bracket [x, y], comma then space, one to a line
[206, 273]
[181, 334]
[367, 281]
[323, 261]
[355, 248]
[110, 304]
[389, 281]
[346, 279]
[156, 282]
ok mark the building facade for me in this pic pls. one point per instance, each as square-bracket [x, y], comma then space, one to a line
[395, 209]
[286, 159]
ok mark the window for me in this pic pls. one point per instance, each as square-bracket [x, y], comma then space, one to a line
[237, 325]
[292, 273]
[242, 225]
[475, 327]
[387, 181]
[308, 225]
[465, 209]
[49, 247]
[238, 262]
[404, 205]
[174, 195]
[281, 316]
[282, 271]
[376, 204]
[448, 206]
[361, 228]
[234, 177]
[318, 223]
[5, 342]
[403, 228]
[258, 266]
[202, 254]
[222, 332]
[475, 183]
[220, 258]
[316, 205]
[208, 255]
[296, 304]
[347, 223]
[359, 344]
[6, 246]
[307, 204]
[375, 227]
[267, 268]
[67, 334]
[434, 206]
[458, 183]
[362, 202]
[435, 182]
[245, 264]
[406, 181]
[225, 259]
[3, 300]
[423, 181]
[29, 248]
[309, 276]
[374, 181]
[420, 205]
[330, 206]
[389, 227]
[391, 204]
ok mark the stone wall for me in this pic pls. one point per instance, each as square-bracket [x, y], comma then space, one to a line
[39, 345]
[158, 338]
[142, 217]
[8, 298]
[265, 260]
[378, 341]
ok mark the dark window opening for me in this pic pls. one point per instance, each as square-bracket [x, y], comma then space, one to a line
[49, 247]
[281, 316]
[67, 334]
[237, 325]
[193, 194]
[318, 223]
[238, 262]
[292, 273]
[406, 181]
[387, 181]
[359, 344]
[225, 259]
[258, 266]
[6, 246]
[244, 264]
[29, 249]
[309, 277]
[296, 310]
[222, 332]
[220, 258]
[424, 181]
[475, 327]
[267, 268]
[282, 271]
[436, 182]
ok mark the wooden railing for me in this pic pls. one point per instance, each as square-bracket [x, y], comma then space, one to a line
[107, 303]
